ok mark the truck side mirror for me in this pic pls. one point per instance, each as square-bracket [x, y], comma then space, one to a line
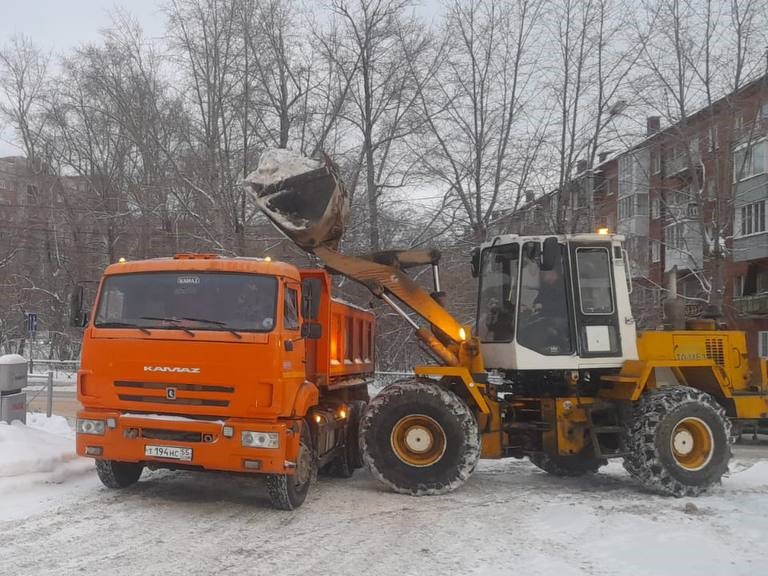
[311, 330]
[77, 316]
[550, 253]
[311, 289]
[475, 262]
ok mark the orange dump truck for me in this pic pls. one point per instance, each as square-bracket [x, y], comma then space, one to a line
[231, 364]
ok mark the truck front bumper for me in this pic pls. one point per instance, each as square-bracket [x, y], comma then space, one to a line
[166, 441]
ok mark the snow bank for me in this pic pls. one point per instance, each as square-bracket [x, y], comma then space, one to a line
[756, 476]
[276, 164]
[43, 445]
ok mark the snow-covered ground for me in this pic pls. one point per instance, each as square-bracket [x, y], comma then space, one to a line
[510, 518]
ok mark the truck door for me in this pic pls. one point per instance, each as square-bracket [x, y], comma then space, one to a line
[597, 323]
[293, 345]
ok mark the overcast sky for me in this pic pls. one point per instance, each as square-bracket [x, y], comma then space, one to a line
[58, 25]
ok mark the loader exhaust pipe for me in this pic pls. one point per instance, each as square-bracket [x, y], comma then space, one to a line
[303, 197]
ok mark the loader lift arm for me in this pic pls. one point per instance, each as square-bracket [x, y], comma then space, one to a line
[385, 279]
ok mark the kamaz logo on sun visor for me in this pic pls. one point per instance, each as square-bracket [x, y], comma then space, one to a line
[175, 369]
[188, 280]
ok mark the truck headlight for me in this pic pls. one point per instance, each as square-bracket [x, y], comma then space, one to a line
[260, 439]
[94, 427]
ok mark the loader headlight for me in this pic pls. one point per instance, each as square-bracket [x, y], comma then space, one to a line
[94, 427]
[260, 439]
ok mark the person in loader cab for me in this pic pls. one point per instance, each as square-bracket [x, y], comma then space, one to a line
[549, 326]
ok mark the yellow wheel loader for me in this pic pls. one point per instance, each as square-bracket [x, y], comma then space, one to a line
[554, 371]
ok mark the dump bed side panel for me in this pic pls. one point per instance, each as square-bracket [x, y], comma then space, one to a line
[351, 341]
[345, 351]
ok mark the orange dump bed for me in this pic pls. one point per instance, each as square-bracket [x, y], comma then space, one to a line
[345, 352]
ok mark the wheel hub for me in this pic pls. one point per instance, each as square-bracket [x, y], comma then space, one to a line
[418, 440]
[303, 466]
[692, 444]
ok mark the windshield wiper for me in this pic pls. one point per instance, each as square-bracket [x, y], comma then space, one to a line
[215, 323]
[122, 325]
[174, 321]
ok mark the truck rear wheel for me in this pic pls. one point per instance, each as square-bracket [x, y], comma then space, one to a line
[678, 440]
[351, 458]
[288, 491]
[419, 438]
[566, 465]
[114, 474]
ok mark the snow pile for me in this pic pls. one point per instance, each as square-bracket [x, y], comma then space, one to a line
[43, 445]
[277, 164]
[754, 477]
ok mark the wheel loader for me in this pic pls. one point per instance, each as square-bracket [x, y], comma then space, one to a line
[554, 369]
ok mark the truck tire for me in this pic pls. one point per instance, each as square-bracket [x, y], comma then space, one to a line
[288, 491]
[114, 474]
[678, 441]
[351, 458]
[419, 438]
[566, 465]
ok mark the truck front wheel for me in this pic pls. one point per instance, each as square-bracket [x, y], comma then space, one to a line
[288, 492]
[678, 441]
[114, 474]
[419, 438]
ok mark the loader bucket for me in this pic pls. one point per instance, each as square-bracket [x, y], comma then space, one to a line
[304, 198]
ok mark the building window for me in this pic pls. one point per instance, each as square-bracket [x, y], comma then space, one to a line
[655, 251]
[711, 189]
[764, 111]
[750, 160]
[738, 286]
[762, 341]
[750, 219]
[674, 236]
[656, 162]
[656, 208]
[713, 142]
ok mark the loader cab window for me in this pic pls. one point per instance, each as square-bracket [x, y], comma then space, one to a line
[544, 323]
[497, 306]
[595, 289]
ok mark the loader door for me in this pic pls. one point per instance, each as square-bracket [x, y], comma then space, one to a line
[597, 324]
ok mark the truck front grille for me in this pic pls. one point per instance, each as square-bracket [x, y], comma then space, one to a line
[164, 385]
[173, 435]
[176, 401]
[131, 391]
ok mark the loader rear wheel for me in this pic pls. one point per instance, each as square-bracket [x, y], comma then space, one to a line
[351, 458]
[288, 492]
[679, 441]
[114, 474]
[566, 465]
[419, 438]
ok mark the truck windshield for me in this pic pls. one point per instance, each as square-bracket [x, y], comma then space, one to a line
[197, 300]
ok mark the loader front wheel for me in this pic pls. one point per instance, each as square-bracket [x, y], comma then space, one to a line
[566, 465]
[419, 438]
[678, 441]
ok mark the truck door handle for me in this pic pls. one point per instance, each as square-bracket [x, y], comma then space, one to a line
[288, 345]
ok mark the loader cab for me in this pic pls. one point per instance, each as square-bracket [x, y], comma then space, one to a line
[556, 302]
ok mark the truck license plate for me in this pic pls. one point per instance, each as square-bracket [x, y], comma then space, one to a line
[172, 452]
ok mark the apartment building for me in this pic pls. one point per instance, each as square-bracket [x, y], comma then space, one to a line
[691, 199]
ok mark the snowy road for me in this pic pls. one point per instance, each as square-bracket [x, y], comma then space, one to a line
[508, 519]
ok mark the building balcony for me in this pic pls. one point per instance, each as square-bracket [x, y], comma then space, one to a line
[752, 305]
